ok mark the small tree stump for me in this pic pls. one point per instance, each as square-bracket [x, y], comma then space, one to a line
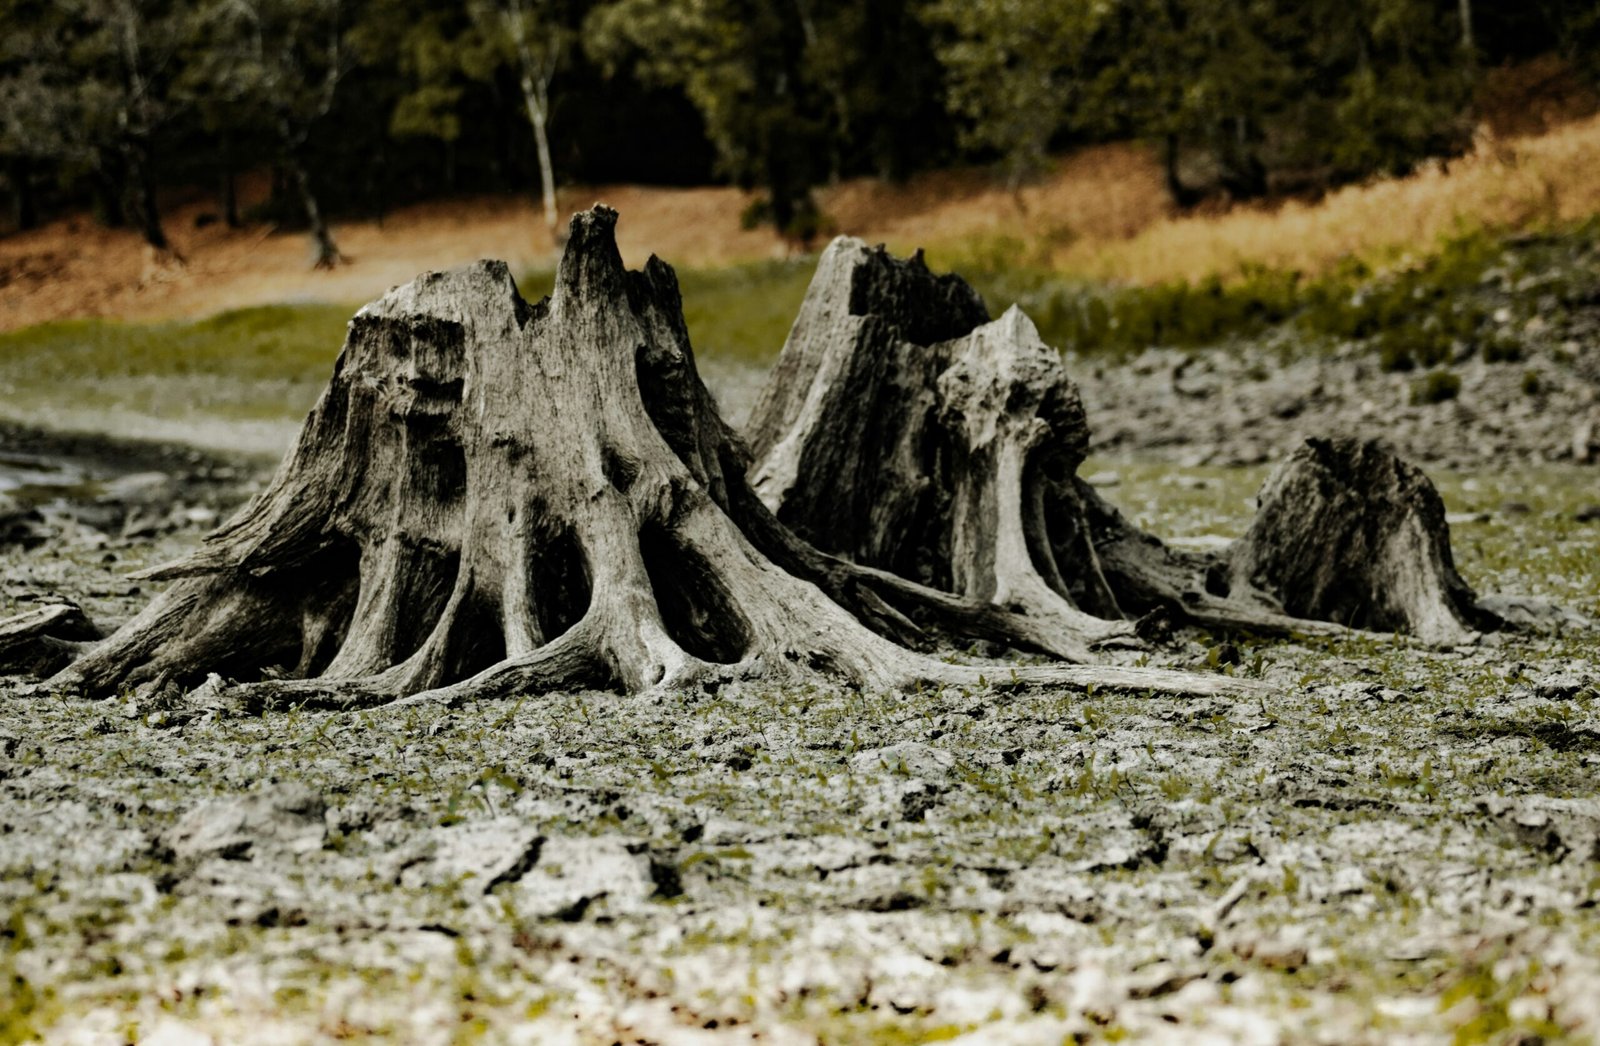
[1347, 531]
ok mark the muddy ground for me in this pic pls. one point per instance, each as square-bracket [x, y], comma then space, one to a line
[1403, 844]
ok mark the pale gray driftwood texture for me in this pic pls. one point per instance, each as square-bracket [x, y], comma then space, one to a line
[1347, 531]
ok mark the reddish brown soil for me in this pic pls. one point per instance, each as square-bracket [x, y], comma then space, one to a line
[74, 267]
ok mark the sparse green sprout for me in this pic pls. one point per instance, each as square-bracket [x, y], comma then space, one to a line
[1435, 387]
[1502, 347]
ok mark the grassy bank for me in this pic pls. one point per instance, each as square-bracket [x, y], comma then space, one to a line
[1471, 293]
[264, 366]
[1504, 185]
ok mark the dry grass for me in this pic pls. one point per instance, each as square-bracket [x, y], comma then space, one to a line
[1097, 195]
[1503, 185]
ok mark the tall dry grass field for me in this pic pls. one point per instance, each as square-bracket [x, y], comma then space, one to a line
[1503, 185]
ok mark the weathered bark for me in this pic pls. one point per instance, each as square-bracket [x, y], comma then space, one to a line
[902, 431]
[1182, 196]
[44, 640]
[896, 430]
[493, 497]
[1347, 531]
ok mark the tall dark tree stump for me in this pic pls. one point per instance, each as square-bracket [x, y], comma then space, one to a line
[493, 498]
[904, 431]
[896, 430]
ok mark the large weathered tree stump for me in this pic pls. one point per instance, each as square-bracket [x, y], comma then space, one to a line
[493, 497]
[903, 430]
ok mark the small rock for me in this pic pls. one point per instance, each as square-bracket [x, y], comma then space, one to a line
[478, 855]
[282, 818]
[917, 800]
[199, 516]
[573, 874]
[1275, 953]
[41, 641]
[912, 758]
[1588, 514]
[21, 524]
[1104, 479]
[1562, 828]
[1530, 611]
[138, 488]
[1561, 686]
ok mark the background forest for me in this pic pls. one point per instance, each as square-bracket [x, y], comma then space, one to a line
[356, 106]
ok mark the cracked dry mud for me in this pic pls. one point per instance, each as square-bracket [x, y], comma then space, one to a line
[1400, 846]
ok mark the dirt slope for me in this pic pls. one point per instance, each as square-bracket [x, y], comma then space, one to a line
[73, 267]
[1099, 213]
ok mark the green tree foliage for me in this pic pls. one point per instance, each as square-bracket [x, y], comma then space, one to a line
[38, 120]
[1017, 72]
[274, 65]
[86, 89]
[352, 103]
[742, 63]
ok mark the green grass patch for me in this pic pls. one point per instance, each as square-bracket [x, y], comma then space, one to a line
[268, 343]
[1435, 387]
[741, 312]
[269, 362]
[257, 364]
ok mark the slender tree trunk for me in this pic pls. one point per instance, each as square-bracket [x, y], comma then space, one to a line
[144, 186]
[538, 116]
[108, 203]
[1181, 194]
[227, 193]
[328, 255]
[24, 208]
[1467, 42]
[230, 199]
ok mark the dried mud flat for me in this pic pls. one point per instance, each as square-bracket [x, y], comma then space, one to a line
[1402, 845]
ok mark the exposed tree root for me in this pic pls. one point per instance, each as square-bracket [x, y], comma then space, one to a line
[493, 498]
[43, 640]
